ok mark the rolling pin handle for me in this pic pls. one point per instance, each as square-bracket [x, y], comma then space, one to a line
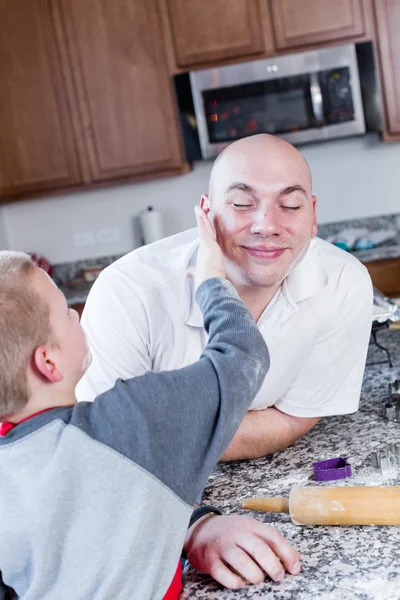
[277, 505]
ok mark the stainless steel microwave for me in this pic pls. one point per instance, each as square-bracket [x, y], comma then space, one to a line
[303, 97]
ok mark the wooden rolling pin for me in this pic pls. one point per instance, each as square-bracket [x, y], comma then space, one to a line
[347, 505]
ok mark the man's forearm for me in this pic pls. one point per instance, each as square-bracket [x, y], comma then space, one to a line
[266, 431]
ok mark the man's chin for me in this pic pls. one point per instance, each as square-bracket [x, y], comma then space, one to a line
[265, 283]
[255, 280]
[264, 280]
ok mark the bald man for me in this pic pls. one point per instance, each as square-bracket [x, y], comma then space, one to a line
[311, 300]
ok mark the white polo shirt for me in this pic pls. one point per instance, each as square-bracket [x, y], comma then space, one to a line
[141, 315]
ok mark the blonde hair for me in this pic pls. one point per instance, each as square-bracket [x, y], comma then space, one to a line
[24, 325]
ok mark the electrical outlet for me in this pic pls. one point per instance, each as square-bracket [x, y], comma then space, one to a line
[84, 238]
[108, 235]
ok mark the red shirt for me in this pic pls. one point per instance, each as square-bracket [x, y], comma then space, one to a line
[176, 586]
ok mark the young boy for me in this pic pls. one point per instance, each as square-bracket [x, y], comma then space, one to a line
[95, 498]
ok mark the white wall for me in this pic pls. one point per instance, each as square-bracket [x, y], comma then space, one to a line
[352, 178]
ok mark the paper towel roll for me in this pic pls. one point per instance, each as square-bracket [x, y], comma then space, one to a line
[151, 225]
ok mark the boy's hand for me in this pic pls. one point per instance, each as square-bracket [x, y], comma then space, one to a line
[234, 550]
[210, 261]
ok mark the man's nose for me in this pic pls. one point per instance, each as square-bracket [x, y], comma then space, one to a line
[266, 222]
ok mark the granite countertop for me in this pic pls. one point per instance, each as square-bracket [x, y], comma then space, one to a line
[76, 294]
[385, 251]
[64, 274]
[338, 563]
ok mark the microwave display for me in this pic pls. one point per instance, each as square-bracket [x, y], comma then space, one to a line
[279, 106]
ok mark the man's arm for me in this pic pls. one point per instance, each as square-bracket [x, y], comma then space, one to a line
[328, 381]
[266, 431]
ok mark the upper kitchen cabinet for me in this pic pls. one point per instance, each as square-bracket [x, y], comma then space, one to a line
[37, 149]
[307, 22]
[204, 32]
[124, 92]
[388, 22]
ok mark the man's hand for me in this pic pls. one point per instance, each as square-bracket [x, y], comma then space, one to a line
[235, 550]
[210, 261]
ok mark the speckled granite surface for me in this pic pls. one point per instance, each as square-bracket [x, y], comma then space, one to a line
[338, 563]
[76, 294]
[63, 273]
[389, 249]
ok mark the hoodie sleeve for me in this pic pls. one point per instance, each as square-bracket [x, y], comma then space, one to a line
[177, 424]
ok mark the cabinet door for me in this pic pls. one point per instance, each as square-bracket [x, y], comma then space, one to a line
[209, 31]
[388, 20]
[37, 151]
[124, 91]
[385, 275]
[307, 22]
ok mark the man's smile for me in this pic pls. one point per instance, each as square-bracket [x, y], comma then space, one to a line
[264, 252]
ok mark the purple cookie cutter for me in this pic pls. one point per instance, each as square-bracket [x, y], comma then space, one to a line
[332, 468]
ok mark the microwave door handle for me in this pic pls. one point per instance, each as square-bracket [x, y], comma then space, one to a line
[316, 99]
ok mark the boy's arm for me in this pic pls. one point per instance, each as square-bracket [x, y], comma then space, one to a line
[177, 424]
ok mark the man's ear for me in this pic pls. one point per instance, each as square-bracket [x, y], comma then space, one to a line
[205, 203]
[315, 226]
[46, 365]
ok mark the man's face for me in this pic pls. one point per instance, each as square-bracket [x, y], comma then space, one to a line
[264, 217]
[67, 336]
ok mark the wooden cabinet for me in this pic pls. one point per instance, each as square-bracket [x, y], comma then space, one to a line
[307, 22]
[388, 23]
[124, 91]
[207, 31]
[85, 95]
[37, 148]
[86, 92]
[385, 275]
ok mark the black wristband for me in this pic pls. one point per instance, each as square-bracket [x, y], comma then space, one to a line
[201, 511]
[197, 514]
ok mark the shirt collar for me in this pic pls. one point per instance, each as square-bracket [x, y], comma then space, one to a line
[6, 426]
[306, 280]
